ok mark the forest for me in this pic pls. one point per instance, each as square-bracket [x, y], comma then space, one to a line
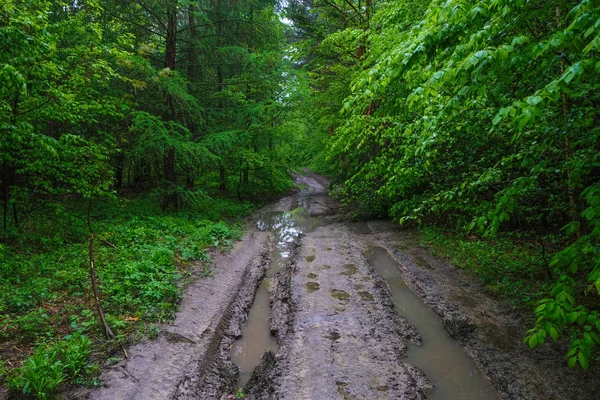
[136, 137]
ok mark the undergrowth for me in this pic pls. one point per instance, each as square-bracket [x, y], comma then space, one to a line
[511, 266]
[50, 335]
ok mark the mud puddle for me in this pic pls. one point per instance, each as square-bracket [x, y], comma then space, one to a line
[256, 338]
[452, 372]
[360, 227]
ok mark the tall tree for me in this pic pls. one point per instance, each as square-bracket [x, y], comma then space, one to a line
[479, 114]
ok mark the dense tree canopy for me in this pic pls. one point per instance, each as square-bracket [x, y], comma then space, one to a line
[478, 114]
[147, 93]
[180, 102]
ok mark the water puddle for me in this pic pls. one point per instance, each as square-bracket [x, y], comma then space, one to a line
[452, 372]
[256, 336]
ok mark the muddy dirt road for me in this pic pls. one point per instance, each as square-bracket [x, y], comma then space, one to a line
[308, 306]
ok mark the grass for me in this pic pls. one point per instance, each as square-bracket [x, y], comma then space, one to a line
[50, 335]
[509, 265]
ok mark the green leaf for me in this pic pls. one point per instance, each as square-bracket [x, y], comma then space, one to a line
[534, 100]
[583, 360]
[533, 341]
[519, 40]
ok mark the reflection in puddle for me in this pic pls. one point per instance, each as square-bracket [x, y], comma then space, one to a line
[256, 336]
[452, 372]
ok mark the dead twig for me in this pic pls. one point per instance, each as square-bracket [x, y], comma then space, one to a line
[124, 351]
[106, 242]
[126, 371]
[109, 332]
[459, 327]
[176, 337]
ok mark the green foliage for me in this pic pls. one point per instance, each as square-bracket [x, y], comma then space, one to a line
[169, 101]
[507, 264]
[153, 332]
[479, 115]
[51, 364]
[85, 106]
[571, 309]
[141, 255]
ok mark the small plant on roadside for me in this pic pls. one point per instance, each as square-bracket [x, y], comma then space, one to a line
[3, 373]
[207, 272]
[153, 332]
[52, 364]
[40, 375]
[75, 351]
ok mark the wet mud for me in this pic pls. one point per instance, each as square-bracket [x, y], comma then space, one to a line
[156, 369]
[489, 330]
[304, 308]
[451, 371]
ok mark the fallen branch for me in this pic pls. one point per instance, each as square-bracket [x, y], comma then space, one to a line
[109, 332]
[124, 369]
[106, 242]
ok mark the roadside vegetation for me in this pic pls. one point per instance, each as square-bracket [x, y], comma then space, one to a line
[512, 266]
[134, 138]
[143, 257]
[481, 119]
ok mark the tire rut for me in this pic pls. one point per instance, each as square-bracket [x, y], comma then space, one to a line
[332, 315]
[157, 369]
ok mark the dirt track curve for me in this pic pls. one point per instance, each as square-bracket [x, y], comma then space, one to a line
[338, 321]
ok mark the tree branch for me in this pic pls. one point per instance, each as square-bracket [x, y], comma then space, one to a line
[136, 24]
[351, 4]
[149, 11]
[342, 12]
[213, 23]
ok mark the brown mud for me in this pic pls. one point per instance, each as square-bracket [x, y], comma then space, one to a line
[189, 346]
[340, 331]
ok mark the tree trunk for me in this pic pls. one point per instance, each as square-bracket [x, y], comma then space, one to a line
[362, 48]
[5, 192]
[170, 176]
[572, 187]
[221, 102]
[9, 173]
[119, 168]
[193, 49]
[170, 197]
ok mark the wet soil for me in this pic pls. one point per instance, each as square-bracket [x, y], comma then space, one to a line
[487, 328]
[452, 372]
[340, 327]
[189, 346]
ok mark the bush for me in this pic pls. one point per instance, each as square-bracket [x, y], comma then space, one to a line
[52, 364]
